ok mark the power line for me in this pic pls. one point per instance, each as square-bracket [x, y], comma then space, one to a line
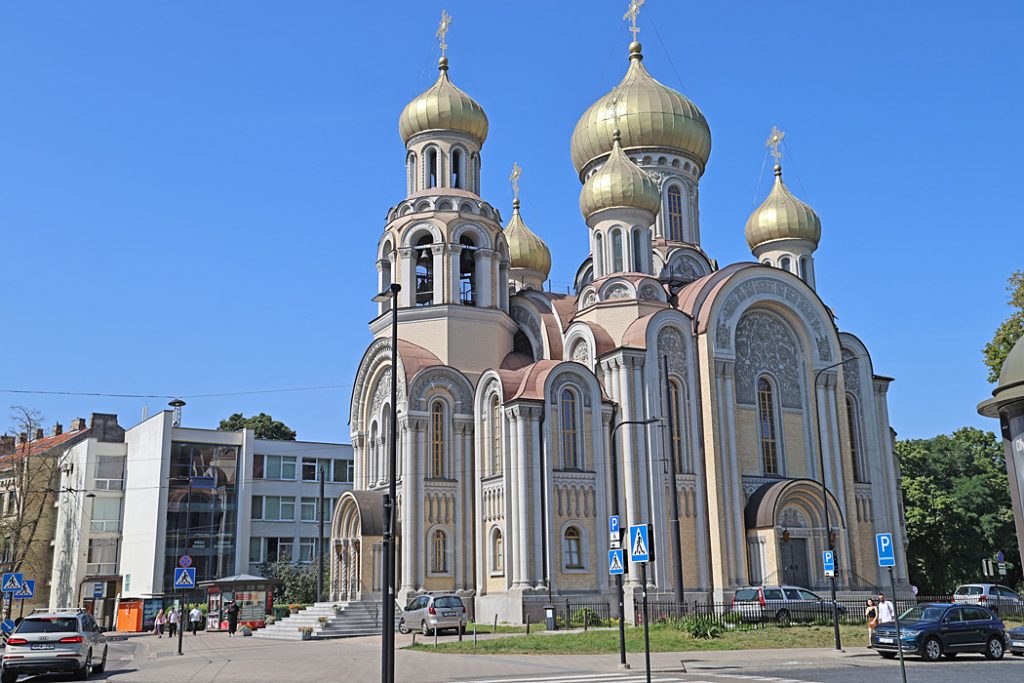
[46, 392]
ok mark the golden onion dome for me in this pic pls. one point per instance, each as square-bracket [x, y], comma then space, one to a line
[525, 249]
[619, 183]
[648, 113]
[782, 216]
[443, 107]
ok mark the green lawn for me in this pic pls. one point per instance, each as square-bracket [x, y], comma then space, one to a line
[663, 639]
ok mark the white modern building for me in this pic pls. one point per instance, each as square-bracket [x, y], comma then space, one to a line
[122, 513]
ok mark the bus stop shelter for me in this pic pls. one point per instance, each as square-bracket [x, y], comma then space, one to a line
[254, 596]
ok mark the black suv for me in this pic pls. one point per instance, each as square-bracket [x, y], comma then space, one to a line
[941, 629]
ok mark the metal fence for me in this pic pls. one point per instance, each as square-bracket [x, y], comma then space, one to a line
[570, 614]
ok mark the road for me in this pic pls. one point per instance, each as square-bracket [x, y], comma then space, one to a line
[215, 658]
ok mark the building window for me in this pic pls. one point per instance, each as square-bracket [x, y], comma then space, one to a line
[456, 179]
[279, 549]
[437, 440]
[106, 514]
[803, 269]
[676, 415]
[853, 424]
[570, 430]
[638, 258]
[109, 473]
[311, 468]
[439, 553]
[616, 251]
[7, 550]
[101, 559]
[424, 272]
[307, 549]
[599, 265]
[495, 420]
[572, 548]
[273, 508]
[767, 426]
[255, 550]
[675, 214]
[344, 471]
[278, 467]
[786, 264]
[431, 167]
[497, 552]
[307, 509]
[467, 271]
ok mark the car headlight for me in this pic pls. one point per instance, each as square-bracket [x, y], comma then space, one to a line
[910, 634]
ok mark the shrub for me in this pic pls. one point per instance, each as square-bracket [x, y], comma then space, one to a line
[702, 628]
[586, 617]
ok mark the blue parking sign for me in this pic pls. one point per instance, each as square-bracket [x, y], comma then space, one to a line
[828, 561]
[886, 550]
[613, 524]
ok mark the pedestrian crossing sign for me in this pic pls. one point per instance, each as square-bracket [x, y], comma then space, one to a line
[27, 590]
[640, 543]
[12, 582]
[616, 562]
[185, 577]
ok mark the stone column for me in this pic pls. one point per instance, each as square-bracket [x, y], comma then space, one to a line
[416, 505]
[483, 283]
[409, 505]
[737, 551]
[535, 480]
[406, 276]
[514, 543]
[442, 295]
[454, 274]
[723, 466]
[522, 474]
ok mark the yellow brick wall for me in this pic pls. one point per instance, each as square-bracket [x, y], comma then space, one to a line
[578, 580]
[794, 444]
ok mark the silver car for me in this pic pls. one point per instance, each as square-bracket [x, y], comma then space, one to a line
[50, 642]
[782, 604]
[433, 613]
[999, 599]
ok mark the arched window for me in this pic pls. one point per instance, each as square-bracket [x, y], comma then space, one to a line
[385, 275]
[785, 264]
[373, 455]
[572, 549]
[382, 450]
[424, 272]
[431, 167]
[638, 254]
[616, 251]
[495, 420]
[767, 426]
[411, 170]
[853, 424]
[675, 403]
[803, 269]
[456, 179]
[439, 553]
[497, 552]
[570, 430]
[599, 265]
[675, 214]
[437, 440]
[467, 271]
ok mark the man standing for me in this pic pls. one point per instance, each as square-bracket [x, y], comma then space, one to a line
[886, 610]
[173, 617]
[232, 612]
[194, 617]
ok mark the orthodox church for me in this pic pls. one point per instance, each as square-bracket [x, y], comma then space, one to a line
[710, 401]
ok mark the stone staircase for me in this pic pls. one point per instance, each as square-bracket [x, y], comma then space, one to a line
[352, 619]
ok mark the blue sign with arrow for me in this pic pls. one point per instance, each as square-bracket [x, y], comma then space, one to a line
[7, 626]
[184, 577]
[886, 550]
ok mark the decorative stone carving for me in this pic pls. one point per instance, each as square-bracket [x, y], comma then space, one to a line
[578, 383]
[383, 392]
[445, 378]
[649, 291]
[619, 291]
[581, 352]
[765, 287]
[793, 519]
[589, 299]
[851, 373]
[670, 343]
[684, 267]
[765, 344]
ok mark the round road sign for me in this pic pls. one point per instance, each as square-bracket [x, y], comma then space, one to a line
[185, 561]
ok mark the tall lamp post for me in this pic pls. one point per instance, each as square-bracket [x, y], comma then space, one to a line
[387, 669]
[615, 511]
[829, 538]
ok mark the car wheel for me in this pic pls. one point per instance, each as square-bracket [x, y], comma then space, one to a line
[423, 628]
[782, 617]
[932, 650]
[9, 677]
[887, 655]
[402, 626]
[994, 649]
[82, 672]
[102, 666]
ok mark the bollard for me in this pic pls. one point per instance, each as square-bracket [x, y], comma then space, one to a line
[462, 630]
[495, 624]
[414, 638]
[586, 622]
[527, 623]
[435, 637]
[474, 634]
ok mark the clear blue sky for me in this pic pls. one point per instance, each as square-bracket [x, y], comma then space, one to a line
[191, 192]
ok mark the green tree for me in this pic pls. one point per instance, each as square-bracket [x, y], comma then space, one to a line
[264, 425]
[956, 497]
[293, 583]
[1009, 332]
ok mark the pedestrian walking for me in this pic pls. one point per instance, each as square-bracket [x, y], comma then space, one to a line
[173, 618]
[194, 617]
[158, 623]
[232, 612]
[886, 610]
[871, 614]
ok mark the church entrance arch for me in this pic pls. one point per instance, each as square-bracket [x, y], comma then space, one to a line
[356, 534]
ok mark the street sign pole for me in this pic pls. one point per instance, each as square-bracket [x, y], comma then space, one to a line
[896, 613]
[181, 599]
[887, 558]
[647, 633]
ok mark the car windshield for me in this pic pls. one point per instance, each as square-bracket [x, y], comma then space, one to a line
[49, 625]
[968, 590]
[746, 594]
[447, 602]
[921, 613]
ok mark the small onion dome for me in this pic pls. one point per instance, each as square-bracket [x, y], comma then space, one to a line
[782, 216]
[1010, 389]
[619, 183]
[443, 107]
[649, 115]
[525, 249]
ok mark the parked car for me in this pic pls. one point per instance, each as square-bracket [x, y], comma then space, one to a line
[941, 629]
[782, 604]
[1015, 638]
[434, 613]
[999, 599]
[50, 642]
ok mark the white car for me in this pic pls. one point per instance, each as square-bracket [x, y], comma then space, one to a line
[52, 642]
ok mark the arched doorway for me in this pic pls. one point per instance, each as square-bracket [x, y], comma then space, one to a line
[357, 533]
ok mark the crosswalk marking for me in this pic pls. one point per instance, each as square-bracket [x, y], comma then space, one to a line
[633, 677]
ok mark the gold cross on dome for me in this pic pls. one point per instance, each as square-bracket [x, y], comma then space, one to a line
[631, 15]
[517, 171]
[775, 141]
[442, 30]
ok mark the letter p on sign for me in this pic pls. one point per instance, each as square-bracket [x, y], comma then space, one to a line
[886, 550]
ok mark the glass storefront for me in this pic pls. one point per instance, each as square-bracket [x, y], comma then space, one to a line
[213, 524]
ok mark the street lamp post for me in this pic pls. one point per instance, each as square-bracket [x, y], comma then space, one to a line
[387, 671]
[188, 529]
[824, 497]
[613, 459]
